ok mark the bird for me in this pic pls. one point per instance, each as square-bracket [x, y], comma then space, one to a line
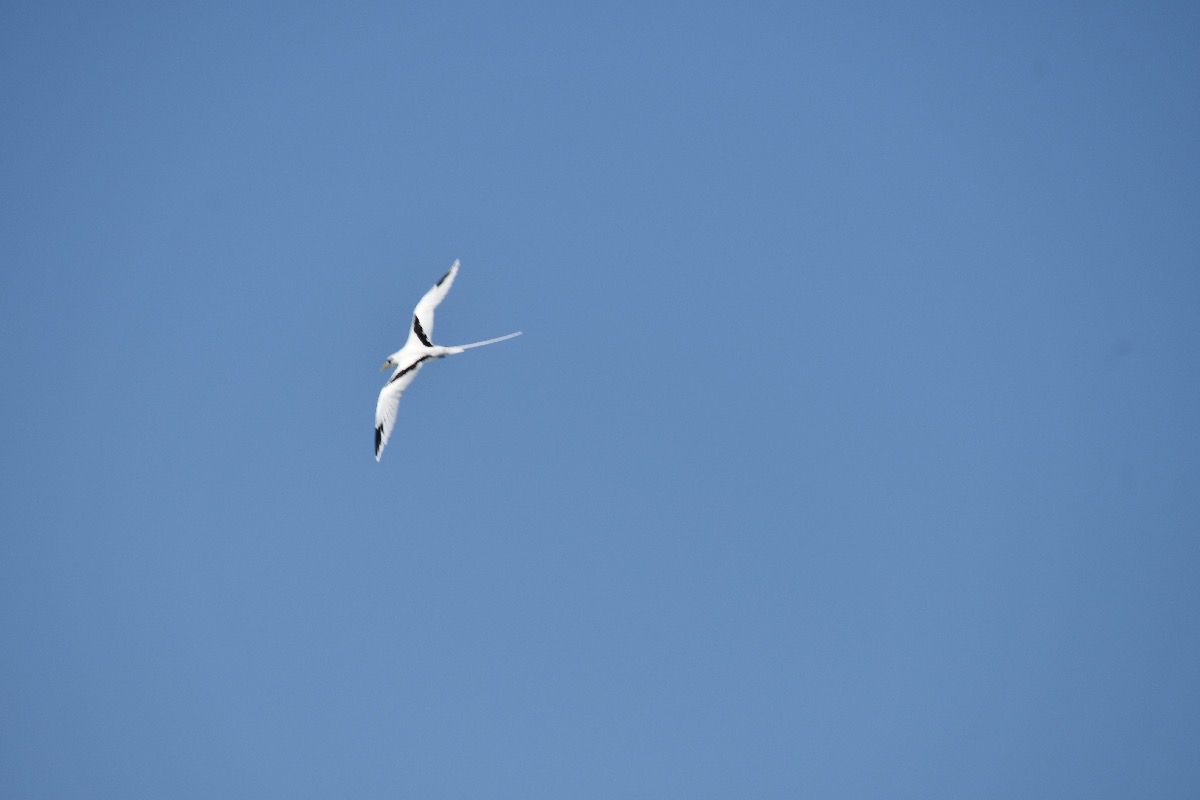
[418, 349]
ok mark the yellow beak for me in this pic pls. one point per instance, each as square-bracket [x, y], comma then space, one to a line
[386, 366]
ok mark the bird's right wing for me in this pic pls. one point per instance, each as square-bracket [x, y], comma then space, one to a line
[422, 323]
[389, 403]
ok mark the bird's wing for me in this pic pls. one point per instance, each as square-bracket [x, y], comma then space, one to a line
[422, 322]
[389, 402]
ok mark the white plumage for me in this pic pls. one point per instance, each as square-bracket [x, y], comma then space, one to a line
[416, 351]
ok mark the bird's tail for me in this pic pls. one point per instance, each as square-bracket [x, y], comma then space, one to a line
[459, 348]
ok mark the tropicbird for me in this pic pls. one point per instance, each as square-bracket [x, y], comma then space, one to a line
[416, 351]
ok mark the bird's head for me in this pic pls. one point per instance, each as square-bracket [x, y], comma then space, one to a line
[389, 364]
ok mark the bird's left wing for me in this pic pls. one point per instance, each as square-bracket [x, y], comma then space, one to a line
[422, 322]
[389, 403]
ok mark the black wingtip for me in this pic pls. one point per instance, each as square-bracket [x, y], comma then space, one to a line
[447, 275]
[378, 439]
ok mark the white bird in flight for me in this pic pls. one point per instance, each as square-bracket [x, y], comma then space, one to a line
[416, 351]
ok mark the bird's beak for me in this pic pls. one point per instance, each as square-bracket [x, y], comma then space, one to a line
[386, 366]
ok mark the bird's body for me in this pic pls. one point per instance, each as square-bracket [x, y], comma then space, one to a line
[418, 349]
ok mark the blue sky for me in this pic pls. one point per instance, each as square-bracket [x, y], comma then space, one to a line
[851, 449]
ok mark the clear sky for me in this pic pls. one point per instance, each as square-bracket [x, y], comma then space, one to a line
[852, 449]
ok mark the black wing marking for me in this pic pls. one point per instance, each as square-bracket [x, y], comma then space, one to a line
[409, 368]
[378, 438]
[421, 332]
